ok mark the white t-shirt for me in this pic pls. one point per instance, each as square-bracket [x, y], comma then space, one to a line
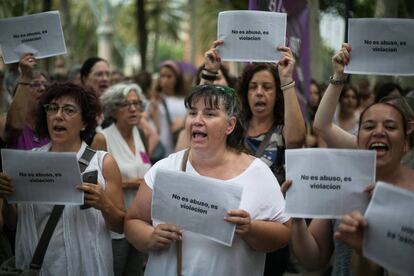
[262, 198]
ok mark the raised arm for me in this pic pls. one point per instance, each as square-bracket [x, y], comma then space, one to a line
[138, 227]
[294, 128]
[212, 63]
[333, 135]
[351, 232]
[312, 245]
[22, 101]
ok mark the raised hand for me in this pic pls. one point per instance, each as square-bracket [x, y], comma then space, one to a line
[285, 65]
[212, 60]
[26, 65]
[340, 59]
[351, 230]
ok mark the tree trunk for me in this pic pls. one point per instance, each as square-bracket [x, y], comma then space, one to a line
[47, 5]
[68, 27]
[142, 33]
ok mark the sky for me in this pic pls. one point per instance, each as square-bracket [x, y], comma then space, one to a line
[332, 28]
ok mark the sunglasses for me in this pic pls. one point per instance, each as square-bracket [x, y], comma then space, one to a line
[220, 88]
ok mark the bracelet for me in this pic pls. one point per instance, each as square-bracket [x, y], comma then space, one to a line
[23, 83]
[337, 82]
[208, 77]
[209, 71]
[205, 72]
[288, 85]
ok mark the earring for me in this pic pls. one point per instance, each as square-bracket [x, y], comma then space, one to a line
[82, 129]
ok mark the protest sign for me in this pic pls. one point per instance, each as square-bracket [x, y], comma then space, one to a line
[195, 203]
[40, 34]
[251, 35]
[43, 177]
[389, 237]
[381, 46]
[328, 183]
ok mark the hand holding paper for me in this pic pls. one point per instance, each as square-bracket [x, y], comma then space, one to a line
[26, 65]
[351, 230]
[340, 60]
[212, 60]
[164, 235]
[381, 46]
[251, 35]
[242, 220]
[285, 65]
[6, 186]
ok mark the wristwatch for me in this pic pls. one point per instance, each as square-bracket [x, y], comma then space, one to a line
[338, 82]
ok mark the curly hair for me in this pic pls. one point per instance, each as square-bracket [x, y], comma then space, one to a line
[116, 95]
[214, 96]
[243, 90]
[84, 97]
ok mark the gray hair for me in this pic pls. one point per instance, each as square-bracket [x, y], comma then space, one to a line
[116, 94]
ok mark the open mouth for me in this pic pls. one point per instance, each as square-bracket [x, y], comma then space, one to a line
[379, 147]
[59, 129]
[259, 105]
[198, 135]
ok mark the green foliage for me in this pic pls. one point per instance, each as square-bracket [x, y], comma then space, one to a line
[326, 55]
[358, 8]
[207, 13]
[167, 49]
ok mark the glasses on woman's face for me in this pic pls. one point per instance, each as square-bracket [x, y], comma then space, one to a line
[139, 105]
[68, 110]
[38, 84]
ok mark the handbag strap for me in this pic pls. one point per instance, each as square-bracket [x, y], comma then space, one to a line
[179, 245]
[54, 217]
[263, 143]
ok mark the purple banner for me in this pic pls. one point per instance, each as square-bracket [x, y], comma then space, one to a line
[297, 37]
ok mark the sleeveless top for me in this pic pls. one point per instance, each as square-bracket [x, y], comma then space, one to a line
[131, 164]
[274, 152]
[81, 243]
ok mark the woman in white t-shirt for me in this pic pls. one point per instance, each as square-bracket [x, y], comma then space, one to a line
[167, 110]
[81, 242]
[123, 104]
[216, 151]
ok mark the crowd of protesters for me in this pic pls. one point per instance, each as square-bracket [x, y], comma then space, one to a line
[225, 127]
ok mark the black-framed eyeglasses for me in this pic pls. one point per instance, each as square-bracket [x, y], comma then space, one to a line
[68, 110]
[38, 84]
[139, 105]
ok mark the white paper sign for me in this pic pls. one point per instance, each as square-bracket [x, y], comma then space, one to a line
[389, 238]
[43, 177]
[195, 203]
[328, 183]
[40, 34]
[381, 46]
[251, 35]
